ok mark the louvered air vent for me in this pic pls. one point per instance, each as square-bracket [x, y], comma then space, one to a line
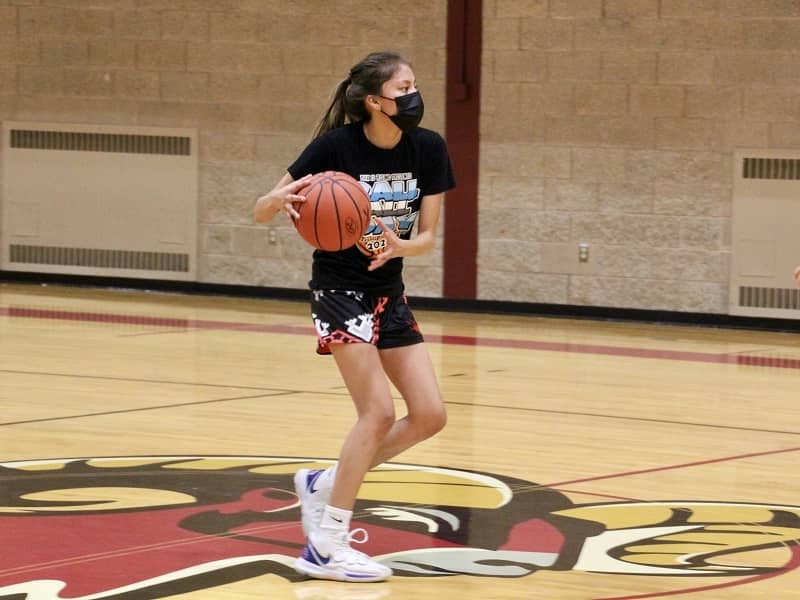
[96, 257]
[100, 142]
[762, 297]
[765, 235]
[106, 200]
[770, 168]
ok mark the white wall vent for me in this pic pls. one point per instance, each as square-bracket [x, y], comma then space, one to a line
[765, 241]
[99, 200]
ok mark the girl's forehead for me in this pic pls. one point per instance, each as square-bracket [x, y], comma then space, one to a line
[404, 74]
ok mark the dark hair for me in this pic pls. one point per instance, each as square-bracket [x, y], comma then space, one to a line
[366, 78]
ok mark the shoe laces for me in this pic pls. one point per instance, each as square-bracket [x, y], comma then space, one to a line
[345, 538]
[346, 553]
[352, 536]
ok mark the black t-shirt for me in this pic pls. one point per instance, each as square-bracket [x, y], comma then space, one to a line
[395, 179]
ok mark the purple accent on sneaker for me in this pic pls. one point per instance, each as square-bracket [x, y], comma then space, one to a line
[311, 479]
[312, 555]
[359, 575]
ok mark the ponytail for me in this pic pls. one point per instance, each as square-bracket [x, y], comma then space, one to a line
[336, 114]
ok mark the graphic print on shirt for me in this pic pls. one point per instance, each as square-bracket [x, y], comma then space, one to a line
[393, 197]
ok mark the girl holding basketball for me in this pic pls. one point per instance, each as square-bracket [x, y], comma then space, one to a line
[370, 131]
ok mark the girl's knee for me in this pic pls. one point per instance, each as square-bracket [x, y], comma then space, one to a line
[379, 421]
[438, 420]
[431, 421]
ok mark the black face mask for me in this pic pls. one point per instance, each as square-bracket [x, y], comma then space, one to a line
[410, 109]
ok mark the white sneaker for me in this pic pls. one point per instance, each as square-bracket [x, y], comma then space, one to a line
[312, 498]
[328, 555]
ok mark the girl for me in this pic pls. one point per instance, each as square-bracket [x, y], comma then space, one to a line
[369, 131]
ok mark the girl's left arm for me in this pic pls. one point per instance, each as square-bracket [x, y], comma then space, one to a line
[425, 240]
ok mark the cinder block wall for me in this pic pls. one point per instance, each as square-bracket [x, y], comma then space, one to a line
[613, 123]
[610, 122]
[253, 76]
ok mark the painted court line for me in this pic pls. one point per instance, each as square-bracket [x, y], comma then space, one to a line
[453, 340]
[698, 463]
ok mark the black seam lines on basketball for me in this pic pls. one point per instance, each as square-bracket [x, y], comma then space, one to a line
[334, 185]
[328, 188]
[316, 211]
[324, 179]
[358, 211]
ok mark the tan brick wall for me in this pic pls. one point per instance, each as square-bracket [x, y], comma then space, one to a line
[610, 122]
[252, 75]
[637, 105]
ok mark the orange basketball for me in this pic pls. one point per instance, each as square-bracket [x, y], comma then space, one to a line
[336, 211]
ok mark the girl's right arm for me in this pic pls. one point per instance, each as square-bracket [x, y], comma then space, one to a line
[281, 198]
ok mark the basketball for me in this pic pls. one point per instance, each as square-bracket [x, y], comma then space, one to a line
[336, 211]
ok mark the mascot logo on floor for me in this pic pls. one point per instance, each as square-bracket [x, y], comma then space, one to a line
[145, 527]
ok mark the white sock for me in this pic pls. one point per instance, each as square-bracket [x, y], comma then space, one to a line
[336, 518]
